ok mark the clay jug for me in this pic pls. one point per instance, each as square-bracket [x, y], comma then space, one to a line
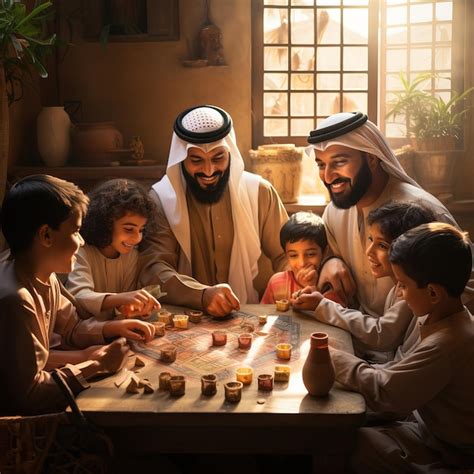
[93, 142]
[318, 370]
[54, 134]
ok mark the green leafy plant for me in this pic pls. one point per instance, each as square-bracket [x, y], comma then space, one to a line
[23, 43]
[429, 116]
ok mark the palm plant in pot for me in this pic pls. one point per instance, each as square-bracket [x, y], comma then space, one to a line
[23, 47]
[435, 127]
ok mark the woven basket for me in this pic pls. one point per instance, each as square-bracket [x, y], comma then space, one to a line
[25, 441]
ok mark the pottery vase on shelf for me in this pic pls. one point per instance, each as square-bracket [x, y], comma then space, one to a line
[318, 370]
[53, 127]
[93, 143]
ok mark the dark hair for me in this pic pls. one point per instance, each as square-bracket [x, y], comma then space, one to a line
[394, 218]
[110, 201]
[304, 226]
[434, 253]
[34, 201]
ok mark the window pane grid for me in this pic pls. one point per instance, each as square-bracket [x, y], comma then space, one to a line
[423, 45]
[313, 62]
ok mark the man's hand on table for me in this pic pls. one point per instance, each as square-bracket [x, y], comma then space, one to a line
[219, 300]
[335, 275]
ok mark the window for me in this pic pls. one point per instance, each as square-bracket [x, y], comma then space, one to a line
[312, 58]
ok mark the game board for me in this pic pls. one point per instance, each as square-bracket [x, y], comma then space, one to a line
[196, 355]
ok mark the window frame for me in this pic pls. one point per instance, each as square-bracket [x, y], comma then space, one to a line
[376, 69]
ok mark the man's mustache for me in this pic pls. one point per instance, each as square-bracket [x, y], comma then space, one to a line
[204, 175]
[337, 181]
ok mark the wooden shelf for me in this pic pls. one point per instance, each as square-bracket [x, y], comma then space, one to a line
[86, 177]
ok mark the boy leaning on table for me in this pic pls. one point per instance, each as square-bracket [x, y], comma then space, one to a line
[433, 382]
[40, 219]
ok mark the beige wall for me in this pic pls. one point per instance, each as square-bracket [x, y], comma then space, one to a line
[143, 86]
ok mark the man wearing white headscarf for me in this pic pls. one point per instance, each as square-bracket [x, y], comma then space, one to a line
[215, 219]
[361, 173]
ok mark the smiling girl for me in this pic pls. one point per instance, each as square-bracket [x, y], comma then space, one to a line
[104, 277]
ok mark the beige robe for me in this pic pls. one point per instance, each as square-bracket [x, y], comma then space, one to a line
[29, 312]
[212, 234]
[434, 378]
[95, 276]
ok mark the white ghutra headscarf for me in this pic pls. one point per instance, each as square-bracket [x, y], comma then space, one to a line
[243, 188]
[366, 137]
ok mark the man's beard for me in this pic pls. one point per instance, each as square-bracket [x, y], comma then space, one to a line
[210, 194]
[359, 187]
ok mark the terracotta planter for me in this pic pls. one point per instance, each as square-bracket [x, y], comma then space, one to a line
[436, 171]
[94, 142]
[281, 165]
[433, 144]
[318, 370]
[53, 127]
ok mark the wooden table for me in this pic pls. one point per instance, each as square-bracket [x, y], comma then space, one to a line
[289, 422]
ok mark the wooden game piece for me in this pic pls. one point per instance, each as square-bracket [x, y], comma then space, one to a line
[261, 401]
[139, 362]
[147, 387]
[134, 385]
[122, 378]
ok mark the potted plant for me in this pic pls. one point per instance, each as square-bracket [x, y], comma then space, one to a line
[23, 46]
[435, 127]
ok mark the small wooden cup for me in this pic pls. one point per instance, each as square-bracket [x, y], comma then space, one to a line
[244, 375]
[265, 382]
[245, 341]
[195, 316]
[180, 321]
[177, 385]
[168, 353]
[282, 305]
[233, 392]
[283, 351]
[164, 381]
[282, 373]
[219, 338]
[159, 328]
[209, 384]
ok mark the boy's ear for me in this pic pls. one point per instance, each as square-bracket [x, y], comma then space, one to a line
[436, 292]
[44, 235]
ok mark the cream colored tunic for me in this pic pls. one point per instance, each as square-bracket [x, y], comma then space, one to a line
[375, 338]
[29, 312]
[434, 378]
[211, 244]
[95, 276]
[347, 235]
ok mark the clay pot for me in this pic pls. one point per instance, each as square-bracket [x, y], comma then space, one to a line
[210, 45]
[54, 135]
[281, 165]
[318, 370]
[93, 142]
